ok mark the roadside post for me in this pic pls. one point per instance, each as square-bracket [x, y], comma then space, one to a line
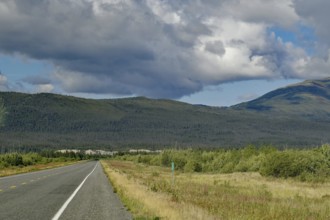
[173, 174]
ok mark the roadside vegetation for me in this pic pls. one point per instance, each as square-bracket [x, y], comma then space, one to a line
[14, 163]
[312, 165]
[248, 183]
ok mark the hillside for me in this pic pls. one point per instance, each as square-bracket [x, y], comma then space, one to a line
[277, 118]
[48, 119]
[310, 98]
[2, 113]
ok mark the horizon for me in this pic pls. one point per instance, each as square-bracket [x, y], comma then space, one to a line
[183, 100]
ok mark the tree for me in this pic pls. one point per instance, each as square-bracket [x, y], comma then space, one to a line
[2, 113]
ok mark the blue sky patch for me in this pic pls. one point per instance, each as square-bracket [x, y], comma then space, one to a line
[301, 36]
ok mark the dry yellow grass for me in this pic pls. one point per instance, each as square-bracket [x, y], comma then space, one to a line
[148, 192]
[280, 188]
[146, 203]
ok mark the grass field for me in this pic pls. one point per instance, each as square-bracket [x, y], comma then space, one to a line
[150, 193]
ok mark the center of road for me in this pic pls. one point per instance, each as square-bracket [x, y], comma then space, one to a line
[61, 210]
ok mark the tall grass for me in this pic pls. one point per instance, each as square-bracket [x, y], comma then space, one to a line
[216, 196]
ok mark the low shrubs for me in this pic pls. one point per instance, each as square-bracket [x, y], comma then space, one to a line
[27, 159]
[306, 165]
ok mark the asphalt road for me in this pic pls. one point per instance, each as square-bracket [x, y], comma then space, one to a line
[80, 191]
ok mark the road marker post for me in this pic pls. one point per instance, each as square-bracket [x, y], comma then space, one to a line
[173, 174]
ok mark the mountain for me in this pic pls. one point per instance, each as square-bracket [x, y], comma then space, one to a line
[294, 116]
[49, 120]
[310, 98]
[2, 114]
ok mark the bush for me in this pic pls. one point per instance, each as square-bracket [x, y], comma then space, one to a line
[165, 158]
[20, 160]
[293, 164]
[307, 165]
[192, 166]
[12, 159]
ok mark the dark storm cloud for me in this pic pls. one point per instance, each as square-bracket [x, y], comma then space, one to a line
[123, 47]
[216, 48]
[37, 80]
[316, 12]
[148, 47]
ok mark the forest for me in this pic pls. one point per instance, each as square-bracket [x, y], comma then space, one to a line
[50, 121]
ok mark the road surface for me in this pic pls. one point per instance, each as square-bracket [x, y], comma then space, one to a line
[80, 191]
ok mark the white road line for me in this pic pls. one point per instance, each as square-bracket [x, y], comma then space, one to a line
[61, 210]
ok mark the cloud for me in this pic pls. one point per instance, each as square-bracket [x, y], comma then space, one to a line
[309, 67]
[3, 83]
[45, 88]
[37, 80]
[154, 48]
[3, 79]
[316, 14]
[278, 12]
[215, 47]
[39, 83]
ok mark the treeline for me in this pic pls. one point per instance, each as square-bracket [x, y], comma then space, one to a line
[306, 165]
[56, 122]
[44, 157]
[2, 113]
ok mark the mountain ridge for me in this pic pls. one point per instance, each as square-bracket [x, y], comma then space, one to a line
[296, 115]
[311, 97]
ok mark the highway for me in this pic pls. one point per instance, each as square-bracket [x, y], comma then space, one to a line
[80, 191]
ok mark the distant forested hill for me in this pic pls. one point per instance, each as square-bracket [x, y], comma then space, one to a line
[2, 113]
[310, 98]
[296, 116]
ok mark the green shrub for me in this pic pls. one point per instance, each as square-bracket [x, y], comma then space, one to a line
[192, 166]
[165, 158]
[306, 165]
[12, 159]
[293, 164]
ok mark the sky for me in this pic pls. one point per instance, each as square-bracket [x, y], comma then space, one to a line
[211, 52]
